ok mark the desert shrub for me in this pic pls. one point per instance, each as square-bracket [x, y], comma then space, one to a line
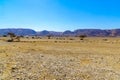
[105, 39]
[11, 34]
[82, 37]
[49, 36]
[13, 37]
[27, 37]
[55, 41]
[21, 36]
[10, 40]
[71, 39]
[33, 37]
[39, 37]
[4, 35]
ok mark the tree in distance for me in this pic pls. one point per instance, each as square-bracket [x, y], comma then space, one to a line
[82, 37]
[13, 37]
[49, 36]
[4, 35]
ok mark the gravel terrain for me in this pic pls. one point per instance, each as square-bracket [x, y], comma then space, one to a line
[59, 61]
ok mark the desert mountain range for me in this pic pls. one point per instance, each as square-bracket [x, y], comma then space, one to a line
[88, 32]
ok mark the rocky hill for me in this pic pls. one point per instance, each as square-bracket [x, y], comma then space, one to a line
[94, 32]
[18, 31]
[88, 32]
[45, 33]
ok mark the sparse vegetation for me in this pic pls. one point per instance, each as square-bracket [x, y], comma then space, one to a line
[13, 37]
[82, 37]
[4, 35]
[49, 36]
[55, 59]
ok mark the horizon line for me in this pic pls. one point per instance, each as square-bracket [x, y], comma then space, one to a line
[64, 30]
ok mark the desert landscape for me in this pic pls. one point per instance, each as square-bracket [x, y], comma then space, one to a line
[59, 39]
[94, 58]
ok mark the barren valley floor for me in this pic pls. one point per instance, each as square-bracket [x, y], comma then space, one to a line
[90, 59]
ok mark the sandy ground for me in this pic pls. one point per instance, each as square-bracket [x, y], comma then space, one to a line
[91, 59]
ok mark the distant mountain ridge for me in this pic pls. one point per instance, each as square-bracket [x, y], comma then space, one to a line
[88, 32]
[18, 31]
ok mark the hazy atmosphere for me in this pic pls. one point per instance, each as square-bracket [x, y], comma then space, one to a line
[60, 15]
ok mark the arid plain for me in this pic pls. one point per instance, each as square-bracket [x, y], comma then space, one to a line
[55, 59]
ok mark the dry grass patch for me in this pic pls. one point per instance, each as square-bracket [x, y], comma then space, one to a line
[92, 59]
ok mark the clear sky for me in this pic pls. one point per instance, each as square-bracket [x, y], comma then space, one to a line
[60, 15]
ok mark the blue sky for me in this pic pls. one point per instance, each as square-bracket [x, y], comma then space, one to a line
[60, 15]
